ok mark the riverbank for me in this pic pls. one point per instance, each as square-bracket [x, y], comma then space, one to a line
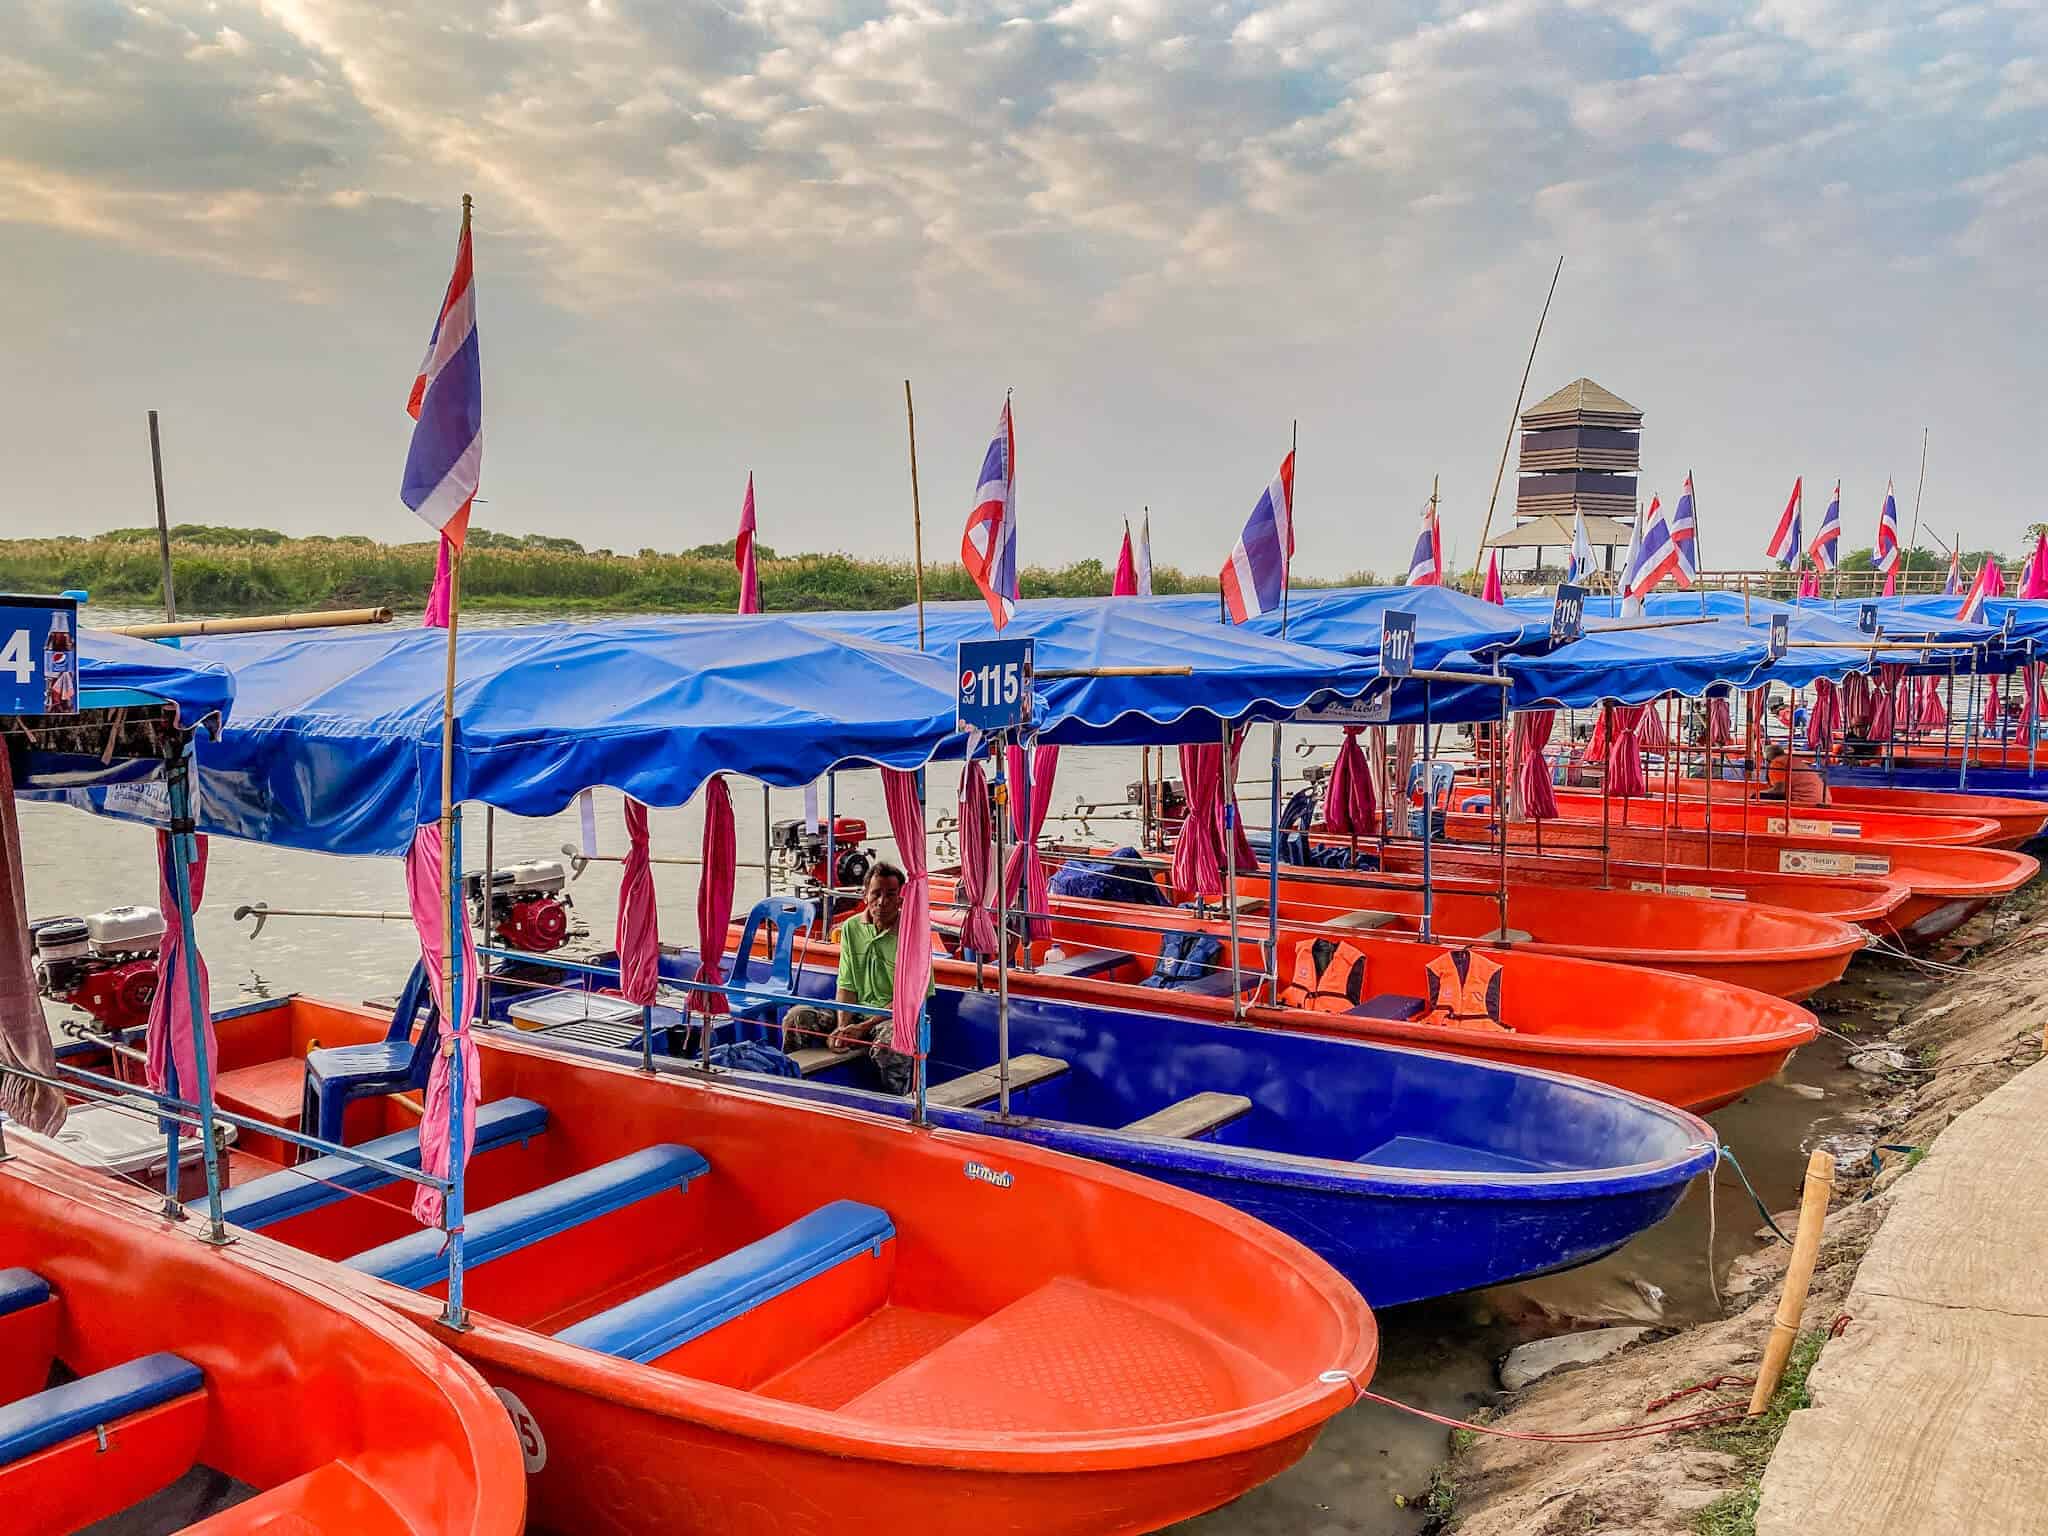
[1930, 1046]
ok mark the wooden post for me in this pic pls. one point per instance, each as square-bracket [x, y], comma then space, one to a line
[916, 512]
[1515, 417]
[163, 526]
[1813, 1211]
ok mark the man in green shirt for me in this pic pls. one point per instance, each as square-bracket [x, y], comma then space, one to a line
[867, 976]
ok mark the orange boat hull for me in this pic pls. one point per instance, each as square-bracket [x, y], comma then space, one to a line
[1763, 819]
[2019, 821]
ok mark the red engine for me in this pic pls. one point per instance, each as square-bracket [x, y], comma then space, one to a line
[104, 963]
[529, 905]
[797, 845]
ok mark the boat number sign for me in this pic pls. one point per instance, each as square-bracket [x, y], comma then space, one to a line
[1397, 644]
[38, 655]
[1781, 635]
[995, 684]
[1568, 616]
[1866, 618]
[533, 1445]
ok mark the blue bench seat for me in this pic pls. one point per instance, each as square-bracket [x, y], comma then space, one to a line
[49, 1418]
[417, 1261]
[1088, 962]
[325, 1180]
[1397, 1007]
[1217, 983]
[21, 1289]
[664, 1319]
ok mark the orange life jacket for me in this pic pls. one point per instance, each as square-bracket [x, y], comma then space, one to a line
[1329, 977]
[1464, 988]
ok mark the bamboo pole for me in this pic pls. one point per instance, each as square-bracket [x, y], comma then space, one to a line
[1813, 1211]
[1515, 417]
[254, 623]
[163, 524]
[916, 512]
[1922, 486]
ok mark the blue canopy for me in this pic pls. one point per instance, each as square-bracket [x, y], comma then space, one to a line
[1449, 626]
[118, 670]
[336, 741]
[1234, 675]
[1620, 665]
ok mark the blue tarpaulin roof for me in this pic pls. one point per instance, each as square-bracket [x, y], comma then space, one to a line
[1928, 616]
[1632, 666]
[1448, 625]
[117, 670]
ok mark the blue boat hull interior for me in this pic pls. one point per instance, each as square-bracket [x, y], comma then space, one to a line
[2016, 782]
[1415, 1174]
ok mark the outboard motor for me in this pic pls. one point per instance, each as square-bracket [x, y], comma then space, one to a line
[1169, 799]
[529, 906]
[803, 851]
[103, 963]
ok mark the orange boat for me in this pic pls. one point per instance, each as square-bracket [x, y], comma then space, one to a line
[1763, 819]
[1691, 1043]
[2019, 821]
[710, 1309]
[240, 1379]
[1787, 953]
[1947, 886]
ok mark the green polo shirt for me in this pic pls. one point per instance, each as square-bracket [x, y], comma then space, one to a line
[867, 963]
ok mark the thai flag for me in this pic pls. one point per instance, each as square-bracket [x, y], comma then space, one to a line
[1685, 529]
[1426, 564]
[1580, 566]
[988, 546]
[1953, 587]
[1787, 544]
[1885, 557]
[1990, 582]
[445, 461]
[1825, 551]
[1656, 553]
[1255, 576]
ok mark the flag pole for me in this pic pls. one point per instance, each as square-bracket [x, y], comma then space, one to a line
[916, 512]
[163, 526]
[1915, 541]
[1514, 417]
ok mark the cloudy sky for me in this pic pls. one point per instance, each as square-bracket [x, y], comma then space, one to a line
[714, 238]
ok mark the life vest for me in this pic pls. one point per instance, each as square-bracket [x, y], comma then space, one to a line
[1329, 977]
[1464, 988]
[1187, 957]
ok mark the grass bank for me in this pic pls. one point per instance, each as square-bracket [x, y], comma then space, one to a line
[230, 570]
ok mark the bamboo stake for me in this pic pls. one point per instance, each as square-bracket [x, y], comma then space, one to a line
[916, 512]
[1915, 542]
[1813, 1211]
[1515, 417]
[254, 623]
[163, 525]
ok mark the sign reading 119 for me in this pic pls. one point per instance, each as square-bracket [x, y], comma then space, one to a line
[38, 655]
[995, 684]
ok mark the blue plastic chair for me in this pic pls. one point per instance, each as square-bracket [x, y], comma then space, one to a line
[339, 1075]
[776, 990]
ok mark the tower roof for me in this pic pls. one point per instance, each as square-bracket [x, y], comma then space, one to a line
[1582, 403]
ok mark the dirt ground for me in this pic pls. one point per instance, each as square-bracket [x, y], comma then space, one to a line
[1957, 1036]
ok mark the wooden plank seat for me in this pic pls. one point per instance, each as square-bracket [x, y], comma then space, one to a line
[658, 1322]
[324, 1180]
[1362, 920]
[1088, 962]
[984, 1087]
[1196, 1115]
[812, 1060]
[417, 1261]
[1501, 936]
[270, 1090]
[78, 1407]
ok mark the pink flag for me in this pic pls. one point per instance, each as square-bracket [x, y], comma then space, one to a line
[1126, 583]
[2035, 583]
[1494, 592]
[743, 554]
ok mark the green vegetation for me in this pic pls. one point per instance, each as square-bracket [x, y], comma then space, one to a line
[1751, 1442]
[227, 570]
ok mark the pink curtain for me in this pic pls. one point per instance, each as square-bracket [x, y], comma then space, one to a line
[430, 920]
[914, 926]
[1024, 856]
[1198, 853]
[1824, 716]
[1650, 726]
[1625, 776]
[638, 935]
[1933, 712]
[1532, 773]
[2031, 690]
[172, 1036]
[24, 1032]
[1720, 721]
[978, 911]
[1994, 688]
[1348, 803]
[1857, 702]
[714, 889]
[1883, 704]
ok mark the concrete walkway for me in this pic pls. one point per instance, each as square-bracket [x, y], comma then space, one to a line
[1930, 1413]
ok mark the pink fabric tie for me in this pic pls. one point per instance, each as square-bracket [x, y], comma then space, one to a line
[24, 1032]
[978, 913]
[172, 1036]
[430, 920]
[714, 889]
[914, 922]
[638, 934]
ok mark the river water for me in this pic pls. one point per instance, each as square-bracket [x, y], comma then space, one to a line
[1438, 1355]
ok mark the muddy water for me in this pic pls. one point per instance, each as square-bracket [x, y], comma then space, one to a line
[1437, 1355]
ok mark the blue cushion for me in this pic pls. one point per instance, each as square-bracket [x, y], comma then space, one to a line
[383, 1058]
[1396, 1006]
[1215, 983]
[324, 1180]
[416, 1260]
[1086, 962]
[657, 1321]
[36, 1423]
[21, 1289]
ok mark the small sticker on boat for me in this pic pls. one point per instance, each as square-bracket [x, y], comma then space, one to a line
[1710, 892]
[1810, 861]
[1001, 1178]
[1807, 826]
[533, 1445]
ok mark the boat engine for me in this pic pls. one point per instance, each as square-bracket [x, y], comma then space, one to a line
[103, 963]
[803, 851]
[529, 905]
[1169, 799]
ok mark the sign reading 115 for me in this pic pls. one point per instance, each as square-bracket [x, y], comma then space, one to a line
[995, 684]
